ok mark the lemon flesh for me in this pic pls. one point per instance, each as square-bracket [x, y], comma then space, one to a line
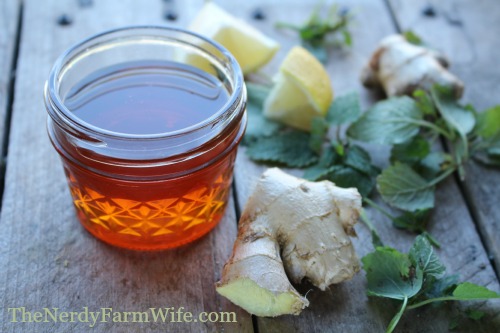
[251, 48]
[302, 91]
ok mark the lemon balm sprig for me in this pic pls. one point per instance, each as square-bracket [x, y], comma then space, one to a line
[315, 32]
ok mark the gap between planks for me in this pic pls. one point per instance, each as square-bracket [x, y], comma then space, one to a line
[9, 93]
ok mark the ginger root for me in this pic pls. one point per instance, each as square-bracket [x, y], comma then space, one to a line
[401, 67]
[295, 226]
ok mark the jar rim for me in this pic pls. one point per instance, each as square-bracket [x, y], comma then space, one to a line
[63, 113]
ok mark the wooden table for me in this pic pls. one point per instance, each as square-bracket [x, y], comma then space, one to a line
[47, 260]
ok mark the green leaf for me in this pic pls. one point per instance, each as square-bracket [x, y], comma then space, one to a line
[346, 177]
[317, 172]
[442, 287]
[257, 124]
[347, 37]
[319, 128]
[390, 274]
[412, 37]
[314, 32]
[327, 161]
[470, 291]
[290, 149]
[424, 102]
[410, 152]
[488, 123]
[413, 221]
[403, 188]
[432, 165]
[456, 116]
[257, 93]
[353, 169]
[359, 159]
[392, 121]
[344, 109]
[488, 127]
[422, 254]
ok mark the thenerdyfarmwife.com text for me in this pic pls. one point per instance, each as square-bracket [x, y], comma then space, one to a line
[108, 315]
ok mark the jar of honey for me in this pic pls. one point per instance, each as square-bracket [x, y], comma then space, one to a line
[147, 121]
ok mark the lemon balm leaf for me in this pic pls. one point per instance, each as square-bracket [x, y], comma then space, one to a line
[416, 279]
[488, 123]
[344, 109]
[359, 159]
[413, 38]
[413, 221]
[257, 93]
[412, 151]
[319, 27]
[345, 176]
[442, 287]
[422, 254]
[390, 274]
[459, 118]
[328, 160]
[289, 149]
[403, 188]
[392, 121]
[257, 124]
[469, 291]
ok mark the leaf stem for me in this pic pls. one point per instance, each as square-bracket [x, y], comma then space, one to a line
[397, 317]
[378, 207]
[337, 134]
[431, 239]
[442, 176]
[431, 300]
[281, 25]
[376, 241]
[437, 129]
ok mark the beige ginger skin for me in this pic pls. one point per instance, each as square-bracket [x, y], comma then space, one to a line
[290, 227]
[400, 68]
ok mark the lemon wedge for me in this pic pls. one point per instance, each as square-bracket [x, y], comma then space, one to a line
[251, 48]
[302, 91]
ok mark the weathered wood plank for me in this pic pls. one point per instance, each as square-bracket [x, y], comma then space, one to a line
[47, 259]
[345, 308]
[9, 19]
[465, 31]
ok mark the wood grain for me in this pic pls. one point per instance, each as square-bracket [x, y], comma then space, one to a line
[47, 259]
[9, 18]
[345, 308]
[466, 32]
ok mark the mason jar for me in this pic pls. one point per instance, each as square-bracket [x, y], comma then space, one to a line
[147, 121]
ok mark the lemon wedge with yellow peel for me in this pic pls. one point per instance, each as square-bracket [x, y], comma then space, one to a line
[302, 91]
[251, 48]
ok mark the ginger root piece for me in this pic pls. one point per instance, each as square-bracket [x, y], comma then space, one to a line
[309, 224]
[401, 67]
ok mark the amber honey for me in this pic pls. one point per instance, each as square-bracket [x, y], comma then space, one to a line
[148, 146]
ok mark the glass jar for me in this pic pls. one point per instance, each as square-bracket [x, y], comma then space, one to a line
[147, 152]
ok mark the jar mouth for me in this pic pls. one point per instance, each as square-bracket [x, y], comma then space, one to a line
[220, 58]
